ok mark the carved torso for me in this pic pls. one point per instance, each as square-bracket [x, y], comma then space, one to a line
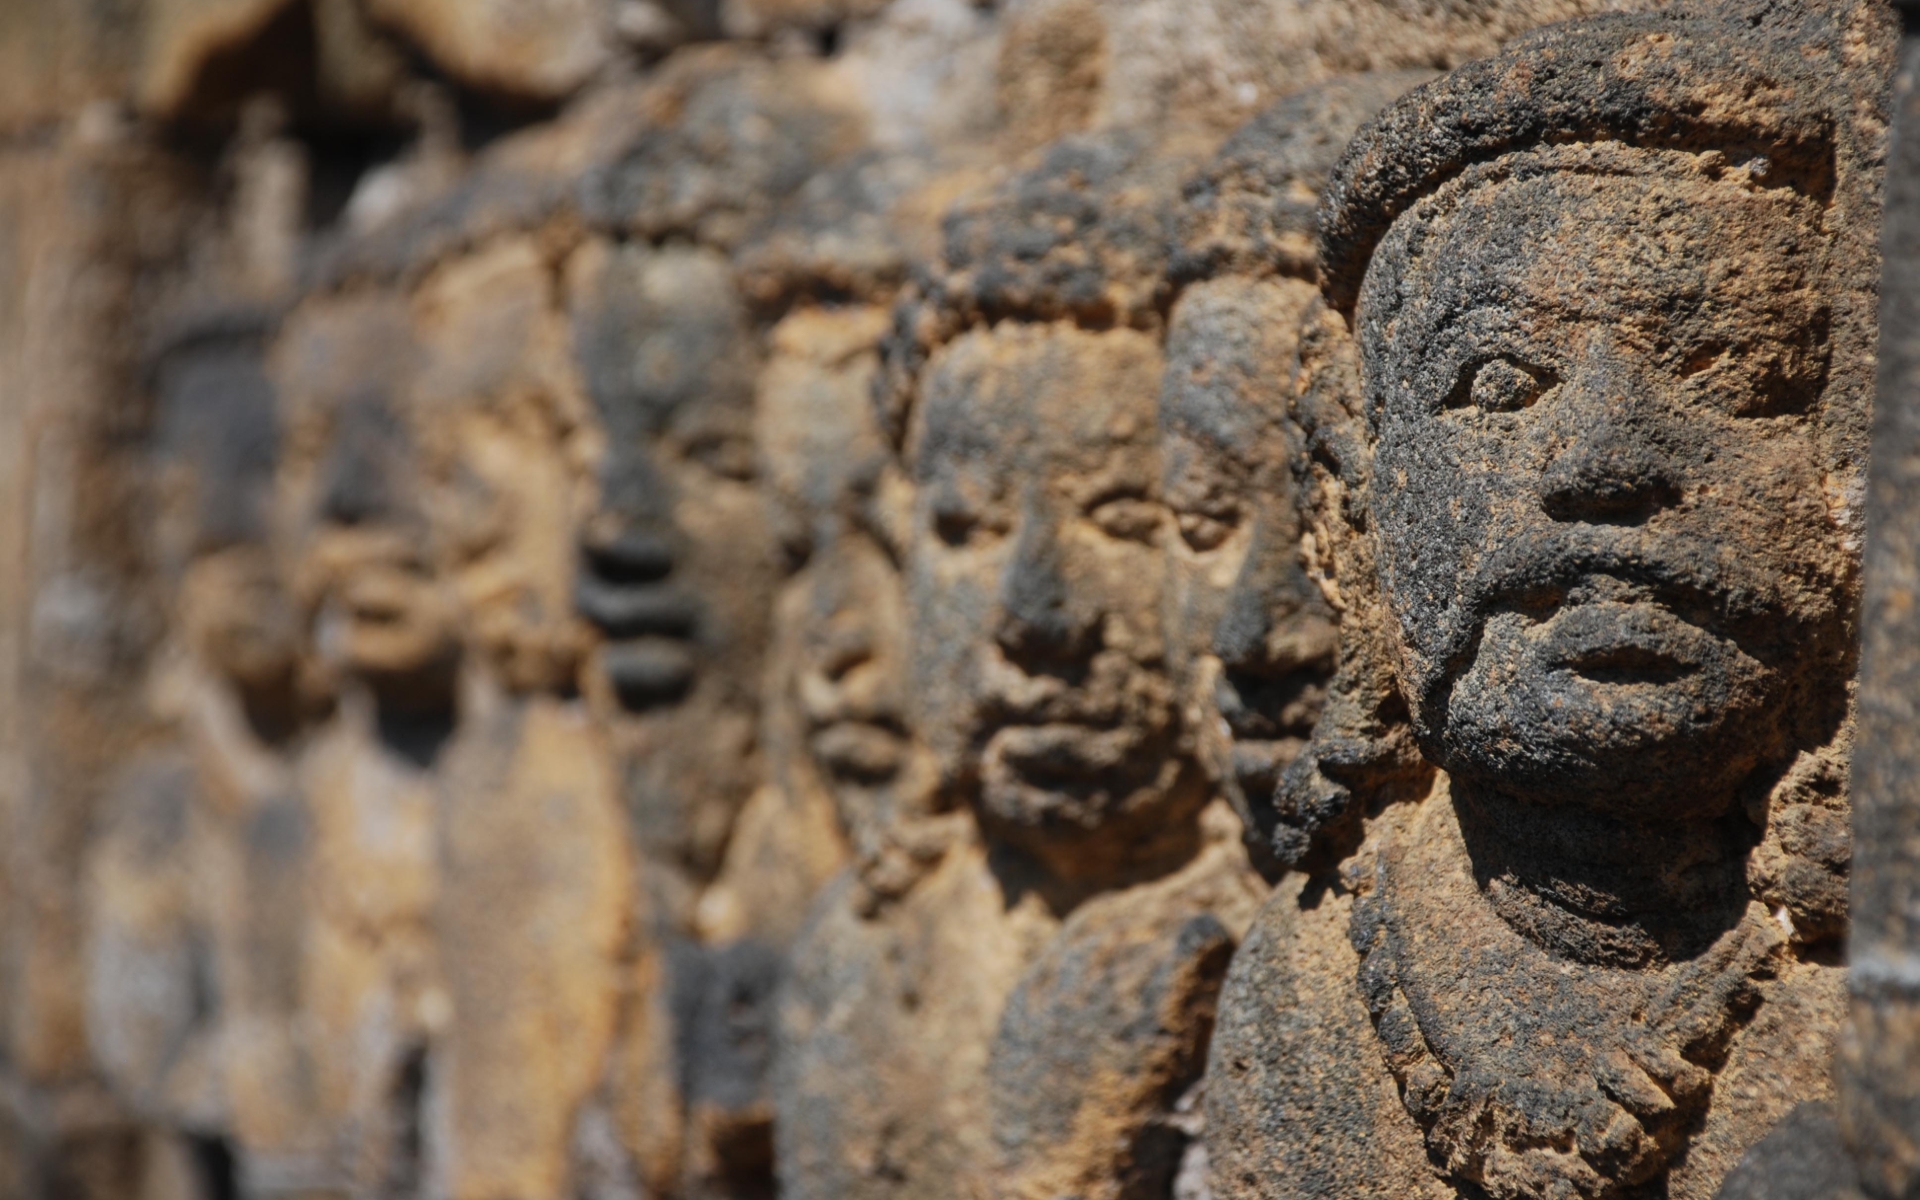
[1533, 1074]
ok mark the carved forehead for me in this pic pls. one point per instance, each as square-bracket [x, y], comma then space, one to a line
[1229, 359]
[1674, 243]
[1015, 401]
[1684, 78]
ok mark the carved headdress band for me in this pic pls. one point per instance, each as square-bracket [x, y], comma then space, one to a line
[1675, 79]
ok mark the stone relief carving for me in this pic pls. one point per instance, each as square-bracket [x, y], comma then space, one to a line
[1588, 495]
[895, 607]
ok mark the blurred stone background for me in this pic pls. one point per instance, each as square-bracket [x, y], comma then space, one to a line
[374, 821]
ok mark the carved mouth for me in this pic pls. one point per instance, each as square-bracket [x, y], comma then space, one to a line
[1632, 642]
[1268, 719]
[624, 590]
[1704, 583]
[381, 619]
[648, 672]
[1059, 753]
[866, 752]
[623, 610]
[380, 598]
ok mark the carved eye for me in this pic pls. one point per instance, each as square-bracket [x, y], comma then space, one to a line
[726, 455]
[1206, 531]
[954, 526]
[1501, 385]
[1127, 517]
[959, 524]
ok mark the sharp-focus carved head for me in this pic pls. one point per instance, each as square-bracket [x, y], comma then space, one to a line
[1036, 573]
[1610, 534]
[1251, 639]
[1586, 475]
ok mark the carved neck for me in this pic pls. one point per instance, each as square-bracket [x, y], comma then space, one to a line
[1600, 890]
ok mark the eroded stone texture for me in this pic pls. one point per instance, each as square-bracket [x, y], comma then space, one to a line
[1252, 637]
[541, 50]
[779, 612]
[1254, 209]
[1587, 497]
[740, 134]
[1104, 1037]
[886, 1026]
[1879, 1098]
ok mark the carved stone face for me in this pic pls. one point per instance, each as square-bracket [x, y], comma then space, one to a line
[504, 521]
[216, 446]
[851, 675]
[502, 429]
[365, 573]
[679, 535]
[677, 567]
[1035, 589]
[1609, 531]
[1250, 638]
[840, 619]
[349, 489]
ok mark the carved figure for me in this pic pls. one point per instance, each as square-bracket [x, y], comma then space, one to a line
[355, 996]
[678, 564]
[1252, 636]
[534, 897]
[1586, 493]
[164, 984]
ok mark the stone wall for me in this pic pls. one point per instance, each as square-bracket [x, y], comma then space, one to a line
[719, 598]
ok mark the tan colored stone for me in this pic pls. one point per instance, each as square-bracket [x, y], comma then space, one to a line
[1107, 1032]
[530, 923]
[183, 37]
[887, 1023]
[535, 49]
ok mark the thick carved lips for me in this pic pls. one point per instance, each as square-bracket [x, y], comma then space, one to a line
[382, 616]
[1060, 751]
[1065, 776]
[1685, 595]
[648, 672]
[625, 592]
[859, 751]
[624, 610]
[1269, 719]
[1624, 642]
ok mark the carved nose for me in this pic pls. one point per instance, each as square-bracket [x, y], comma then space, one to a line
[633, 486]
[845, 648]
[358, 481]
[1613, 469]
[1240, 639]
[1038, 618]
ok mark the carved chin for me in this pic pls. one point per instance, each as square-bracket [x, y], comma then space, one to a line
[1087, 800]
[1611, 705]
[1061, 773]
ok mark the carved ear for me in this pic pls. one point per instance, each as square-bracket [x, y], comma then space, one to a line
[1362, 755]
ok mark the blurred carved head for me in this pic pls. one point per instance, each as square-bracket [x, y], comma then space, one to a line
[1035, 581]
[839, 675]
[677, 566]
[504, 429]
[1252, 640]
[354, 524]
[216, 444]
